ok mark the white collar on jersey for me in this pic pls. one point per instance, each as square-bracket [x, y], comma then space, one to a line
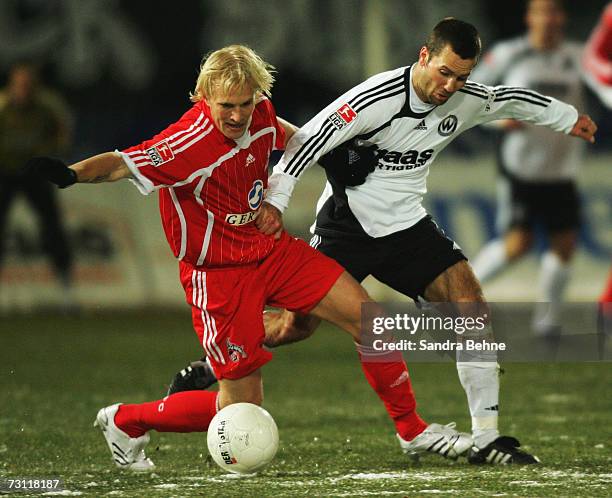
[416, 104]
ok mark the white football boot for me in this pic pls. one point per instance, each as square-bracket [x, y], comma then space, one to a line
[438, 439]
[128, 452]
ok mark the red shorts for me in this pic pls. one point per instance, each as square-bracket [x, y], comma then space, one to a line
[227, 304]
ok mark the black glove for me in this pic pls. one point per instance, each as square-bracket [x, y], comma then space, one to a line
[51, 169]
[350, 163]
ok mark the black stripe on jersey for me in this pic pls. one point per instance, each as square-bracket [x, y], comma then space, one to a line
[405, 112]
[476, 91]
[331, 129]
[369, 134]
[379, 98]
[380, 92]
[475, 94]
[523, 99]
[317, 141]
[313, 142]
[501, 91]
[477, 86]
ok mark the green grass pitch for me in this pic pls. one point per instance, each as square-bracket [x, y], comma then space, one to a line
[335, 437]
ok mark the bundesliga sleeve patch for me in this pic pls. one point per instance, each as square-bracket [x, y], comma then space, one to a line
[342, 117]
[160, 153]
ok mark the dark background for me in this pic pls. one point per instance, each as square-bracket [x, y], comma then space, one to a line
[126, 67]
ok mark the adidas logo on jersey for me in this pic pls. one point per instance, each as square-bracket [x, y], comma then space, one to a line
[250, 159]
[421, 125]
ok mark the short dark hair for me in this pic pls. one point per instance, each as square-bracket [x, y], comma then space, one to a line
[462, 37]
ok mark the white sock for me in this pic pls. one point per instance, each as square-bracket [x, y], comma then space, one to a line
[479, 376]
[490, 260]
[554, 276]
[480, 380]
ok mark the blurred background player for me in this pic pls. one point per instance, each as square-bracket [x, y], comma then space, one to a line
[538, 167]
[597, 64]
[597, 59]
[34, 121]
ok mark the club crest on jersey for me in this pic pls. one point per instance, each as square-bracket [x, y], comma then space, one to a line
[160, 153]
[234, 351]
[342, 117]
[448, 125]
[256, 194]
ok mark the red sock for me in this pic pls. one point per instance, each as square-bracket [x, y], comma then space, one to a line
[391, 382]
[188, 411]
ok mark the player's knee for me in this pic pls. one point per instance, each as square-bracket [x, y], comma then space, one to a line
[565, 252]
[247, 389]
[256, 398]
[518, 243]
[566, 256]
[464, 287]
[226, 398]
[477, 374]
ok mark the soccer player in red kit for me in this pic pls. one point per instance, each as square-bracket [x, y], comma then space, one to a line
[598, 74]
[597, 58]
[210, 170]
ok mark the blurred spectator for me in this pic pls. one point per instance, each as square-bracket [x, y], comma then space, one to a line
[538, 167]
[34, 121]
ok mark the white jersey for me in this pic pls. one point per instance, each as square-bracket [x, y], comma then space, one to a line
[381, 110]
[533, 153]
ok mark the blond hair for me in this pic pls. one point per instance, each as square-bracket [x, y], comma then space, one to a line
[232, 68]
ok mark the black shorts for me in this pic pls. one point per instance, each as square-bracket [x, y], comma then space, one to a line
[407, 261]
[556, 206]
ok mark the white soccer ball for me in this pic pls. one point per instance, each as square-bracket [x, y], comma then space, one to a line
[242, 438]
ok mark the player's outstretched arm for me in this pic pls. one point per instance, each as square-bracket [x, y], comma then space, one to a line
[106, 167]
[269, 220]
[584, 128]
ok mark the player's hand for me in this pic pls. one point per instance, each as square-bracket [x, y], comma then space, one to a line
[269, 220]
[584, 128]
[51, 169]
[350, 163]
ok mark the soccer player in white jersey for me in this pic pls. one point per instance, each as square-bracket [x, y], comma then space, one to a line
[538, 167]
[380, 227]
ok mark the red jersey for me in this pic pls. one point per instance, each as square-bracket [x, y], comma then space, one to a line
[210, 186]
